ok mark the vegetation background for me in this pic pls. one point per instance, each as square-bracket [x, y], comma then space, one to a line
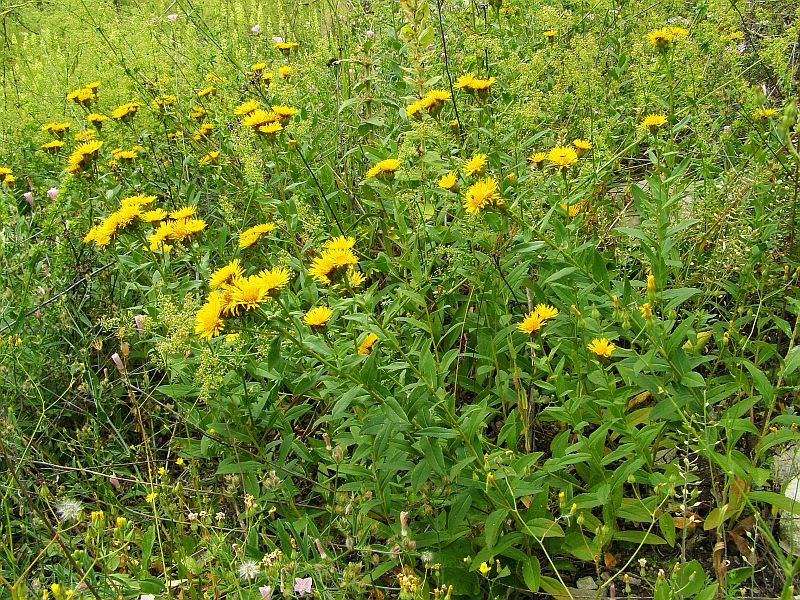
[404, 299]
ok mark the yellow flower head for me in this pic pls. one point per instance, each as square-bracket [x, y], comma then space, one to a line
[184, 228]
[247, 293]
[125, 111]
[385, 168]
[151, 216]
[366, 345]
[331, 263]
[250, 236]
[475, 165]
[571, 209]
[449, 181]
[285, 71]
[286, 46]
[259, 117]
[340, 243]
[318, 317]
[464, 81]
[661, 38]
[481, 194]
[224, 275]
[582, 146]
[246, 107]
[484, 568]
[209, 158]
[184, 212]
[537, 158]
[208, 321]
[646, 310]
[654, 120]
[762, 114]
[274, 279]
[414, 109]
[52, 145]
[258, 67]
[562, 156]
[270, 129]
[207, 91]
[602, 347]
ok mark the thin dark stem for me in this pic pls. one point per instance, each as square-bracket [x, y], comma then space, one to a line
[321, 191]
[447, 68]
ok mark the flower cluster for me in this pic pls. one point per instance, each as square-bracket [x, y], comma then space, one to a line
[337, 263]
[85, 95]
[474, 85]
[431, 102]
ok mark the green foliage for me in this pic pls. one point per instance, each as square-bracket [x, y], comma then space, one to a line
[579, 365]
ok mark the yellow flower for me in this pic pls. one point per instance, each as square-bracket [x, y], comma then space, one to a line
[274, 279]
[532, 323]
[484, 568]
[602, 347]
[481, 194]
[125, 111]
[340, 243]
[285, 71]
[762, 114]
[582, 146]
[246, 107]
[571, 209]
[96, 119]
[270, 129]
[654, 120]
[475, 165]
[661, 38]
[448, 182]
[414, 108]
[179, 461]
[545, 311]
[266, 78]
[198, 112]
[183, 228]
[258, 67]
[562, 156]
[151, 497]
[247, 293]
[331, 262]
[208, 320]
[151, 216]
[164, 102]
[210, 157]
[286, 46]
[226, 274]
[260, 117]
[52, 145]
[55, 127]
[184, 212]
[367, 343]
[538, 158]
[207, 91]
[550, 33]
[385, 167]
[646, 310]
[250, 236]
[158, 238]
[464, 81]
[356, 278]
[318, 317]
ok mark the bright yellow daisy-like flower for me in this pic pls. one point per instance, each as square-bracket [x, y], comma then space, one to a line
[164, 102]
[481, 194]
[209, 158]
[331, 263]
[82, 155]
[260, 117]
[56, 127]
[562, 156]
[246, 107]
[137, 200]
[654, 120]
[198, 112]
[152, 216]
[475, 165]
[464, 81]
[274, 279]
[184, 228]
[550, 33]
[270, 129]
[536, 319]
[448, 181]
[366, 344]
[183, 212]
[266, 78]
[582, 146]
[356, 278]
[385, 168]
[159, 237]
[96, 119]
[318, 317]
[125, 111]
[224, 275]
[258, 67]
[762, 114]
[414, 109]
[602, 347]
[481, 85]
[571, 209]
[250, 236]
[208, 321]
[661, 37]
[647, 310]
[286, 46]
[247, 293]
[207, 91]
[285, 71]
[340, 243]
[52, 145]
[537, 158]
[284, 112]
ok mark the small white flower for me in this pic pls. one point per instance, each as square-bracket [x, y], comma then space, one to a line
[426, 557]
[248, 569]
[69, 509]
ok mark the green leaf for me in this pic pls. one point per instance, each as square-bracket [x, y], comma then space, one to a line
[544, 528]
[148, 539]
[531, 573]
[493, 522]
[667, 526]
[776, 500]
[639, 537]
[792, 361]
[560, 274]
